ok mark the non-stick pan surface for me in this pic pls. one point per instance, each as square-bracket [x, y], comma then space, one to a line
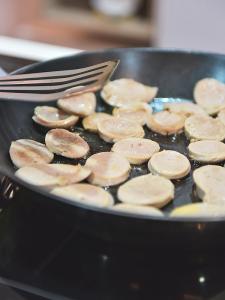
[175, 73]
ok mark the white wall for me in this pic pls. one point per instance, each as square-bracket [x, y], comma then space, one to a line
[192, 24]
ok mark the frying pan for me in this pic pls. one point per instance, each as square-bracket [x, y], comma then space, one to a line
[175, 73]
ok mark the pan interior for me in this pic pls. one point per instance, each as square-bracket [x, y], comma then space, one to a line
[174, 72]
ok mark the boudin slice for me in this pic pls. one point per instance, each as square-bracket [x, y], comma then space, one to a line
[204, 128]
[86, 194]
[66, 143]
[136, 150]
[207, 151]
[148, 189]
[209, 93]
[107, 168]
[210, 184]
[166, 123]
[170, 164]
[26, 152]
[115, 129]
[125, 91]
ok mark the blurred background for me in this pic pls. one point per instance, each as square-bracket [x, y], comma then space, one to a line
[94, 24]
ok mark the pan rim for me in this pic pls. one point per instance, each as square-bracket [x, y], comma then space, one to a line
[141, 49]
[165, 218]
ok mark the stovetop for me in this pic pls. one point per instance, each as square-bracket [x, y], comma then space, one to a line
[44, 255]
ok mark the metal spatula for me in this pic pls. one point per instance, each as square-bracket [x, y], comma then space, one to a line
[47, 86]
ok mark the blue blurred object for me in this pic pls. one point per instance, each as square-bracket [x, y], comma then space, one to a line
[158, 103]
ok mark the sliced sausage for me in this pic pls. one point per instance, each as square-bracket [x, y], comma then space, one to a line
[26, 152]
[86, 194]
[52, 117]
[125, 91]
[66, 143]
[82, 104]
[137, 113]
[53, 174]
[107, 168]
[170, 164]
[115, 129]
[209, 93]
[136, 150]
[147, 190]
[90, 122]
[210, 184]
[207, 151]
[166, 123]
[204, 128]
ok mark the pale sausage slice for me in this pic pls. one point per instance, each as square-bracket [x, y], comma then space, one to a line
[137, 112]
[52, 117]
[25, 152]
[184, 108]
[115, 129]
[66, 143]
[207, 151]
[125, 91]
[170, 164]
[107, 168]
[82, 104]
[53, 174]
[210, 184]
[136, 150]
[204, 128]
[147, 190]
[199, 210]
[209, 93]
[137, 209]
[90, 122]
[166, 123]
[86, 194]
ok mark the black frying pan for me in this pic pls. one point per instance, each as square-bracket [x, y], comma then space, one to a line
[175, 73]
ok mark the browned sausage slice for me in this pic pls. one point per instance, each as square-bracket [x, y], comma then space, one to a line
[26, 152]
[52, 117]
[66, 143]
